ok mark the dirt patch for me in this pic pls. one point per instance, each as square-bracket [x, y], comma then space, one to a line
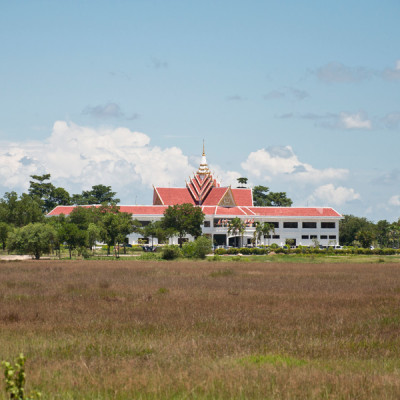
[15, 258]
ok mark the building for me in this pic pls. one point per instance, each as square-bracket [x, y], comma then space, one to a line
[295, 225]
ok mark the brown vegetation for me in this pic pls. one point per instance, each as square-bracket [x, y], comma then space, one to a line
[143, 329]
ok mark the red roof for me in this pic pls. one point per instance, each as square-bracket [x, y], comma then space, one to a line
[215, 196]
[172, 196]
[300, 212]
[295, 211]
[243, 197]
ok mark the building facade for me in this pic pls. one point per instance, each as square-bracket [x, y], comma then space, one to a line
[297, 226]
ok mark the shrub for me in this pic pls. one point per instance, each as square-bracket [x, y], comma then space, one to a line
[15, 380]
[202, 247]
[171, 252]
[220, 252]
[233, 250]
[197, 249]
[189, 249]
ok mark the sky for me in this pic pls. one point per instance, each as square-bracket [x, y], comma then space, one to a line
[301, 97]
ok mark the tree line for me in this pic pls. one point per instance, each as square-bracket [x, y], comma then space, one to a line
[25, 228]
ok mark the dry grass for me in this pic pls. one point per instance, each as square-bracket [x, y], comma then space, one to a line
[203, 330]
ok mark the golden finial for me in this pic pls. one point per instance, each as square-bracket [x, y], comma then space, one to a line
[203, 149]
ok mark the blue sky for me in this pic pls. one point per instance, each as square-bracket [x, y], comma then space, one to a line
[302, 97]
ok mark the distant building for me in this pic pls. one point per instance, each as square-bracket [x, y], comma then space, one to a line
[297, 225]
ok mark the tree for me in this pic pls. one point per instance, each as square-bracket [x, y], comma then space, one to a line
[349, 226]
[242, 181]
[4, 231]
[73, 236]
[262, 228]
[100, 194]
[365, 236]
[93, 232]
[382, 233]
[262, 197]
[35, 239]
[115, 226]
[236, 227]
[184, 219]
[49, 195]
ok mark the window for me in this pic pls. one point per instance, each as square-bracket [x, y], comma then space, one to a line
[323, 237]
[207, 224]
[304, 236]
[332, 236]
[313, 237]
[274, 224]
[267, 236]
[309, 225]
[290, 225]
[275, 236]
[328, 225]
[144, 223]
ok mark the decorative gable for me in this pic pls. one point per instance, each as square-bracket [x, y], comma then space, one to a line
[227, 199]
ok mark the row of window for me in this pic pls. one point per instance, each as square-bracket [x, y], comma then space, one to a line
[288, 225]
[322, 237]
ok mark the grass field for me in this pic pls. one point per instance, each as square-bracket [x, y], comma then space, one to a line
[203, 330]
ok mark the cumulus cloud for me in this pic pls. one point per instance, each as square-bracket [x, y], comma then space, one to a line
[339, 73]
[329, 194]
[355, 121]
[282, 161]
[394, 200]
[84, 156]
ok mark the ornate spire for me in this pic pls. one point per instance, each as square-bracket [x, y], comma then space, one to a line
[203, 169]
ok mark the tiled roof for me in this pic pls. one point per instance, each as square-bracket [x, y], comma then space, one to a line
[243, 197]
[172, 196]
[300, 212]
[214, 197]
[295, 211]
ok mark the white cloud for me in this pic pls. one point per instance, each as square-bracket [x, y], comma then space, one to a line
[355, 121]
[84, 156]
[328, 194]
[282, 162]
[394, 200]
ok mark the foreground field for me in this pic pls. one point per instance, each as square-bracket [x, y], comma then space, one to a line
[203, 330]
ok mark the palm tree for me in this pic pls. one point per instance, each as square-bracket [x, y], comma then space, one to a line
[236, 226]
[262, 229]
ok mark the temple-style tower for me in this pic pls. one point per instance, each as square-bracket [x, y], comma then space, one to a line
[202, 182]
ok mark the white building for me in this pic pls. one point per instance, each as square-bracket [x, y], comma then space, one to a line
[299, 225]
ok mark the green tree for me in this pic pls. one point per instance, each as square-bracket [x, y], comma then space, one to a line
[100, 194]
[73, 237]
[237, 227]
[115, 226]
[262, 228]
[20, 211]
[262, 197]
[382, 233]
[49, 195]
[4, 231]
[93, 234]
[349, 226]
[184, 219]
[242, 181]
[35, 239]
[365, 236]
